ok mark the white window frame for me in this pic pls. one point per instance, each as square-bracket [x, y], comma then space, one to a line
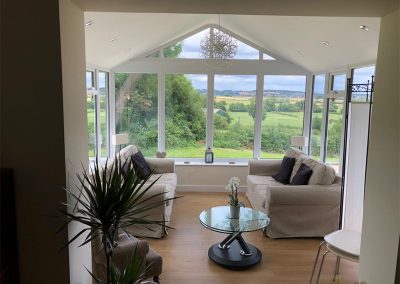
[110, 117]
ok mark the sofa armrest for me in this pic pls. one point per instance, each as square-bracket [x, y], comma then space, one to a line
[264, 167]
[162, 165]
[304, 195]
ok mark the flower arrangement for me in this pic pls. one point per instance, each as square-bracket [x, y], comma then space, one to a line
[232, 187]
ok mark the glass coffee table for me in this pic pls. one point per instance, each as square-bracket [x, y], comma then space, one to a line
[233, 252]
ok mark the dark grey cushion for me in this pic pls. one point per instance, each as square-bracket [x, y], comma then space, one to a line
[302, 176]
[285, 170]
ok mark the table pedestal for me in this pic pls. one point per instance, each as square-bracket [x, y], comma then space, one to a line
[234, 253]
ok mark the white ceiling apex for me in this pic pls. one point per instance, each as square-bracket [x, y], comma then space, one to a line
[278, 36]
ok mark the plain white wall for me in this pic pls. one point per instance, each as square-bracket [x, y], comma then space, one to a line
[209, 178]
[381, 222]
[75, 122]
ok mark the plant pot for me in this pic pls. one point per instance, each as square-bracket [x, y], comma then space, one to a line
[235, 211]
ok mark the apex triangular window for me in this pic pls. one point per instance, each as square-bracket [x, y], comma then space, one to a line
[189, 47]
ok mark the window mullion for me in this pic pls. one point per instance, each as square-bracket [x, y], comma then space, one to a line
[258, 116]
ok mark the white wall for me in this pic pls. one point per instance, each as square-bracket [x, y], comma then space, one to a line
[209, 178]
[381, 222]
[75, 121]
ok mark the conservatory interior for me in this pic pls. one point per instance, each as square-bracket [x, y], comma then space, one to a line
[148, 77]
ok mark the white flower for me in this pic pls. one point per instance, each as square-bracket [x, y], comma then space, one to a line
[233, 183]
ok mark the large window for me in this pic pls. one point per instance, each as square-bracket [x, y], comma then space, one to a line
[282, 113]
[91, 112]
[362, 75]
[97, 92]
[234, 113]
[136, 108]
[316, 116]
[185, 112]
[335, 119]
[103, 113]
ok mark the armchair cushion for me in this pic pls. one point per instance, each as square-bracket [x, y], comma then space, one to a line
[285, 170]
[140, 165]
[302, 176]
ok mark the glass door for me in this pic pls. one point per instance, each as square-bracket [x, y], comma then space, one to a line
[91, 112]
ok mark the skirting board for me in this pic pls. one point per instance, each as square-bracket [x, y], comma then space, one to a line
[206, 188]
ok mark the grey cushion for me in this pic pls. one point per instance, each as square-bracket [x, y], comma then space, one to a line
[299, 156]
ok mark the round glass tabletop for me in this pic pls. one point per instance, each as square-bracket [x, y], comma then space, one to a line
[218, 219]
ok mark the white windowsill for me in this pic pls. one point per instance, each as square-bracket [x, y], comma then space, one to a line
[215, 164]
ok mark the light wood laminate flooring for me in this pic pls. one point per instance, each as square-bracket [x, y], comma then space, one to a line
[185, 258]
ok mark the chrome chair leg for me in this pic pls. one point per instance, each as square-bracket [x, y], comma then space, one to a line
[316, 260]
[322, 263]
[336, 268]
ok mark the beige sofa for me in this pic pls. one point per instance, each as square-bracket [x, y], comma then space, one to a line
[166, 185]
[295, 210]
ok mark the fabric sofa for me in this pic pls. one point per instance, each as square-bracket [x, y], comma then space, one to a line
[311, 210]
[165, 185]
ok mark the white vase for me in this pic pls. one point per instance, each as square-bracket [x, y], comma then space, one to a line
[235, 211]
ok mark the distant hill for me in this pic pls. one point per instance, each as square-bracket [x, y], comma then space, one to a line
[272, 93]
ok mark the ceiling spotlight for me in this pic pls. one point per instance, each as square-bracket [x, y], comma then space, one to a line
[113, 39]
[325, 42]
[89, 23]
[364, 28]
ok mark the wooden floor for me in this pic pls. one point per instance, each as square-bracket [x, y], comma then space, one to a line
[185, 258]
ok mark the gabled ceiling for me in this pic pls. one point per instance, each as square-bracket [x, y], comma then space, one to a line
[114, 38]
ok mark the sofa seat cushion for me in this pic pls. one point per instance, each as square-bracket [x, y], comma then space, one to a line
[254, 180]
[170, 181]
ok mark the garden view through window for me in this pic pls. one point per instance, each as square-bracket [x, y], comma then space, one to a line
[91, 113]
[234, 110]
[317, 110]
[282, 113]
[185, 113]
[136, 110]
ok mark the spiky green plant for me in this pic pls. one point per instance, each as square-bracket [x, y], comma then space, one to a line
[109, 199]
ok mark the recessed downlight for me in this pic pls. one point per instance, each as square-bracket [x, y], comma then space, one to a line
[324, 42]
[113, 39]
[364, 28]
[89, 23]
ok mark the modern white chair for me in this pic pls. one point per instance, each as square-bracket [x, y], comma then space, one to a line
[342, 243]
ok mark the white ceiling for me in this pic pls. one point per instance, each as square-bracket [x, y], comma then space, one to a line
[297, 39]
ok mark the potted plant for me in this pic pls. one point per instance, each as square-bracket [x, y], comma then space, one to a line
[234, 202]
[110, 199]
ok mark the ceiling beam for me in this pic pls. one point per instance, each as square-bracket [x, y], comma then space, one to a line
[353, 8]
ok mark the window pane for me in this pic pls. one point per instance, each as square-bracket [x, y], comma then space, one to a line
[316, 123]
[136, 97]
[187, 48]
[335, 122]
[91, 113]
[234, 108]
[362, 76]
[245, 51]
[103, 102]
[267, 57]
[185, 112]
[283, 113]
